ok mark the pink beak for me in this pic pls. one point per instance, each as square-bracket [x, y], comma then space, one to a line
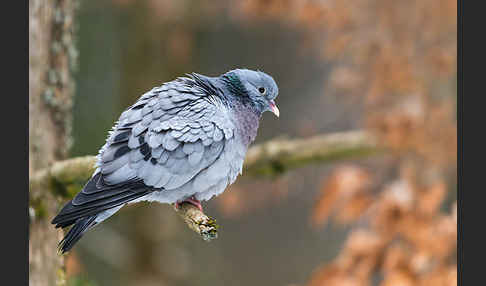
[274, 108]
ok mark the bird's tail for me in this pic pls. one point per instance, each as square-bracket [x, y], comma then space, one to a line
[96, 202]
[80, 227]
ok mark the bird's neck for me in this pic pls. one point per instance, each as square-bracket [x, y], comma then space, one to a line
[246, 115]
[246, 121]
[235, 94]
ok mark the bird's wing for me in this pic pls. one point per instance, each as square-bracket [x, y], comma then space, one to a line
[167, 137]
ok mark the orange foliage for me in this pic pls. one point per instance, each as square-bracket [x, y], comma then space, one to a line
[401, 56]
[343, 192]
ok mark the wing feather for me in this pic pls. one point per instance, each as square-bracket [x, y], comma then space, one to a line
[169, 136]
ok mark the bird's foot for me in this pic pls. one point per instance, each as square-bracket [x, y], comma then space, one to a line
[192, 200]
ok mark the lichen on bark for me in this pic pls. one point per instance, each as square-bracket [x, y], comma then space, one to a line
[52, 59]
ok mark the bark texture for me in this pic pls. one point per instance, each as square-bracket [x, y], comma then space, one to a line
[52, 58]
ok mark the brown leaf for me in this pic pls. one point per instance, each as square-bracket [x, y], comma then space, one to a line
[431, 199]
[396, 257]
[342, 184]
[398, 278]
[354, 208]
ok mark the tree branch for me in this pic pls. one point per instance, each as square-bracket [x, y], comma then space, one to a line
[198, 221]
[278, 155]
[66, 178]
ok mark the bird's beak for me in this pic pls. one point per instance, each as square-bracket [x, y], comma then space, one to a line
[274, 108]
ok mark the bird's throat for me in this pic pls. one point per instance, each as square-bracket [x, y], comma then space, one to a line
[247, 119]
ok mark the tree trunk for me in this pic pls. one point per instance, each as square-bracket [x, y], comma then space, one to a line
[52, 58]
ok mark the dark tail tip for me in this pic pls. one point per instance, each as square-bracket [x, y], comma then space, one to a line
[75, 233]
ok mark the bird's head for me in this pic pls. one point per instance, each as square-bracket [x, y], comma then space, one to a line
[253, 87]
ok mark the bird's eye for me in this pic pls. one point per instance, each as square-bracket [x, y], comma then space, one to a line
[262, 90]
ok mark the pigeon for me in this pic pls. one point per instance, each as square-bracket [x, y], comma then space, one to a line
[184, 141]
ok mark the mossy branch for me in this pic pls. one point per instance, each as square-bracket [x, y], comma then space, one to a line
[279, 155]
[66, 178]
[196, 220]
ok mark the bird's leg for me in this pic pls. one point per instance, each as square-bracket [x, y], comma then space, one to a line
[192, 200]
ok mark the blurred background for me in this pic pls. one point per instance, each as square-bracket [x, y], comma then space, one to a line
[386, 67]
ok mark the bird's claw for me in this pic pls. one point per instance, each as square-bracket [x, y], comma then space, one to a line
[192, 200]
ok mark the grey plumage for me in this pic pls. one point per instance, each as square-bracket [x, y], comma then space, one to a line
[186, 138]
